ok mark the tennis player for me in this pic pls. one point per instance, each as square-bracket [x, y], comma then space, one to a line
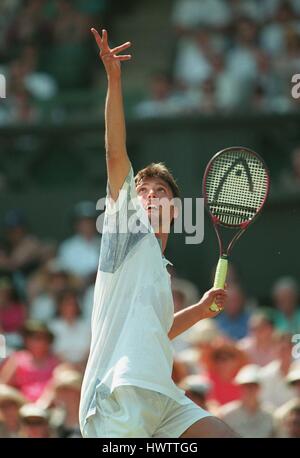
[127, 389]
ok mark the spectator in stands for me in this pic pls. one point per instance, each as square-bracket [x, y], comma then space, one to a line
[290, 178]
[252, 9]
[222, 361]
[195, 343]
[72, 333]
[19, 107]
[272, 37]
[43, 307]
[30, 25]
[12, 312]
[67, 385]
[70, 46]
[285, 297]
[35, 422]
[247, 416]
[10, 402]
[259, 344]
[164, 99]
[197, 388]
[25, 251]
[293, 380]
[192, 63]
[275, 391]
[41, 85]
[84, 245]
[234, 320]
[241, 59]
[292, 420]
[190, 13]
[30, 370]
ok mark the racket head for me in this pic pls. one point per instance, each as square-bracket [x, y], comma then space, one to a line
[235, 186]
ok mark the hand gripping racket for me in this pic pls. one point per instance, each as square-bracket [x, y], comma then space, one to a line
[236, 184]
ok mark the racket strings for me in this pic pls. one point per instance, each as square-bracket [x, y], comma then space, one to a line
[236, 186]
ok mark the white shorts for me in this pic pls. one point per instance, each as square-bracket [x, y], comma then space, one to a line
[131, 411]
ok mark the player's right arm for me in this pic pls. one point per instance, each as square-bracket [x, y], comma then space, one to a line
[117, 160]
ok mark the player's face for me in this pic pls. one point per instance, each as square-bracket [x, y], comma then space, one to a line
[157, 199]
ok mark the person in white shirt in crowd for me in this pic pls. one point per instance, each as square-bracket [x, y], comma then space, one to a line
[241, 58]
[293, 380]
[272, 36]
[79, 254]
[187, 14]
[62, 399]
[275, 391]
[71, 331]
[54, 280]
[248, 416]
[164, 99]
[259, 344]
[192, 64]
[127, 389]
[285, 294]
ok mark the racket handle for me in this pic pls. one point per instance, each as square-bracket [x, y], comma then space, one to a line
[220, 278]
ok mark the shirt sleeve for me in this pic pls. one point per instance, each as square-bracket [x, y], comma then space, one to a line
[125, 223]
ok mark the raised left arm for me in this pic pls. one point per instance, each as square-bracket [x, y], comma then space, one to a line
[189, 316]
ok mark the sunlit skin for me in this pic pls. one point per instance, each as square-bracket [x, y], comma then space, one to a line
[157, 199]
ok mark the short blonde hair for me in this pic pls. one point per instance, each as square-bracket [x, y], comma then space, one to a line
[158, 170]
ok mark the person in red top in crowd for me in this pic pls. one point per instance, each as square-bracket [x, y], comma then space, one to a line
[31, 369]
[12, 312]
[222, 361]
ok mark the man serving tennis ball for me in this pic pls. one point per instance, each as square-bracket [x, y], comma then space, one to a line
[127, 389]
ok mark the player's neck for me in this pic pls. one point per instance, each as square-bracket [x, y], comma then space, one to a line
[162, 239]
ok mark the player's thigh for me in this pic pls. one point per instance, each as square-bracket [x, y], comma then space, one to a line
[209, 427]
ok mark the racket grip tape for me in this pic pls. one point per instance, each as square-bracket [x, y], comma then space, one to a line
[220, 279]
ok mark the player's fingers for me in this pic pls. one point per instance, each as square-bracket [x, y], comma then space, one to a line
[104, 39]
[219, 291]
[123, 57]
[97, 37]
[121, 47]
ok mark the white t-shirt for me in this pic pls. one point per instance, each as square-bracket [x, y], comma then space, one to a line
[80, 256]
[133, 308]
[274, 389]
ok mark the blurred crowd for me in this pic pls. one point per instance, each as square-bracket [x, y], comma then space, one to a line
[45, 48]
[243, 366]
[230, 56]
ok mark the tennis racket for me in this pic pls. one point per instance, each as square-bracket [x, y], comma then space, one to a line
[236, 184]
